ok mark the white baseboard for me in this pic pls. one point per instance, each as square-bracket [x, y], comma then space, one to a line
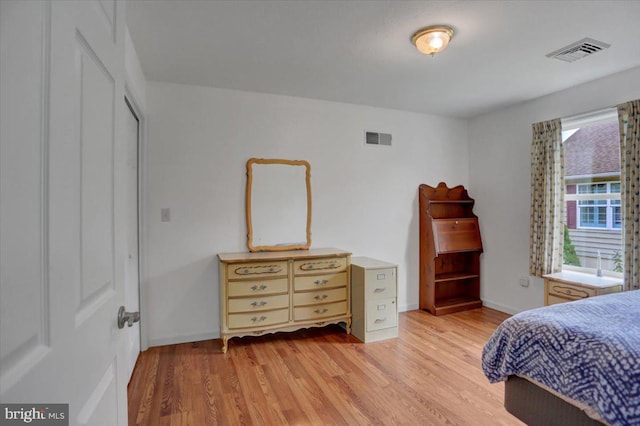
[405, 308]
[500, 307]
[487, 303]
[174, 340]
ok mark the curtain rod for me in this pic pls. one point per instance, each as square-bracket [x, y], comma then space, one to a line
[590, 117]
[594, 112]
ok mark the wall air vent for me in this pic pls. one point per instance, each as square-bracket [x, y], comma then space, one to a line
[374, 138]
[578, 50]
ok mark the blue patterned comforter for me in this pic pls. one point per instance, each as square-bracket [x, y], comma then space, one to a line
[587, 350]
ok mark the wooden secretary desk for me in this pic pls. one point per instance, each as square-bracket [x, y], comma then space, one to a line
[450, 248]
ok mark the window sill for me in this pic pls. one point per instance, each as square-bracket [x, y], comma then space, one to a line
[591, 271]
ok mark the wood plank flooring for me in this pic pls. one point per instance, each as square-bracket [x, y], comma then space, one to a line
[429, 375]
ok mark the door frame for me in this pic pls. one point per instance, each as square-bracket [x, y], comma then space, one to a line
[131, 100]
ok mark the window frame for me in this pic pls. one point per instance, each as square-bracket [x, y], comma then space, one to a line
[569, 126]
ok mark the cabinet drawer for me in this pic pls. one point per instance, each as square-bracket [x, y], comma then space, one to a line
[258, 319]
[320, 311]
[382, 313]
[570, 291]
[249, 304]
[317, 282]
[319, 266]
[452, 235]
[380, 283]
[316, 297]
[553, 300]
[261, 287]
[609, 290]
[257, 270]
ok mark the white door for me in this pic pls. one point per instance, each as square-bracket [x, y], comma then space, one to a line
[131, 284]
[62, 207]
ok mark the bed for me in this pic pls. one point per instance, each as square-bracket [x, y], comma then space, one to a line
[570, 363]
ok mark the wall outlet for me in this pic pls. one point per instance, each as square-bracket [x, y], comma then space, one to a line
[523, 281]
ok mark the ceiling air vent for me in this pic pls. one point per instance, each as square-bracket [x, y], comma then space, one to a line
[374, 138]
[578, 50]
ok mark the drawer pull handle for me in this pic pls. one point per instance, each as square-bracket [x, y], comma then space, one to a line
[256, 288]
[321, 311]
[320, 282]
[259, 269]
[313, 266]
[258, 304]
[256, 319]
[379, 320]
[320, 296]
[380, 289]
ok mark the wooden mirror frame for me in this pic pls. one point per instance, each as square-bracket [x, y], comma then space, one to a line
[284, 246]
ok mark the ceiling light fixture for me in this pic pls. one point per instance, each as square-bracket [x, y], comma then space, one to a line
[433, 39]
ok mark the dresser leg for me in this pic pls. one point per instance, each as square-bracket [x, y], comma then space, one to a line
[348, 325]
[225, 343]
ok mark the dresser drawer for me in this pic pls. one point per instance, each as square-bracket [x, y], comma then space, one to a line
[258, 288]
[257, 270]
[316, 297]
[320, 311]
[380, 283]
[317, 282]
[319, 266]
[249, 304]
[569, 291]
[258, 319]
[554, 300]
[381, 313]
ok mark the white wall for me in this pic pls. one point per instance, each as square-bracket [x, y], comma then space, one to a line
[499, 175]
[364, 198]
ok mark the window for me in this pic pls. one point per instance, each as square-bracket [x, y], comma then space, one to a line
[599, 213]
[591, 146]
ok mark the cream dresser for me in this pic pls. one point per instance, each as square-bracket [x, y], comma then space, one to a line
[566, 286]
[265, 292]
[374, 303]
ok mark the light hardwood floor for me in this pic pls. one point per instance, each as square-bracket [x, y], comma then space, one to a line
[429, 375]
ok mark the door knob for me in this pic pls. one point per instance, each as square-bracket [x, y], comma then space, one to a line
[127, 317]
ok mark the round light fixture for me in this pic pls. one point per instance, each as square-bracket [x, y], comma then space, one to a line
[433, 39]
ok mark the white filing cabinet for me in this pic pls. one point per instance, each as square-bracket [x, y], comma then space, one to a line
[374, 300]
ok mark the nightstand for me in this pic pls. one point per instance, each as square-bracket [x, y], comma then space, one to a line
[566, 286]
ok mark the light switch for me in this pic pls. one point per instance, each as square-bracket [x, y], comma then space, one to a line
[165, 214]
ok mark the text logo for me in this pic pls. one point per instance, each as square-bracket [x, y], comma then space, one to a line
[36, 414]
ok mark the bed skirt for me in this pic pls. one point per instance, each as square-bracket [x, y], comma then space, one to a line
[537, 407]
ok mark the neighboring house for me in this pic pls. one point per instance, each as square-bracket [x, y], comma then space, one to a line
[592, 176]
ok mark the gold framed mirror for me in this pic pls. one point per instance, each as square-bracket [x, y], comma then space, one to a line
[278, 204]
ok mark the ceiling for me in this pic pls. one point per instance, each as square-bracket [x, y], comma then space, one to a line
[360, 51]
